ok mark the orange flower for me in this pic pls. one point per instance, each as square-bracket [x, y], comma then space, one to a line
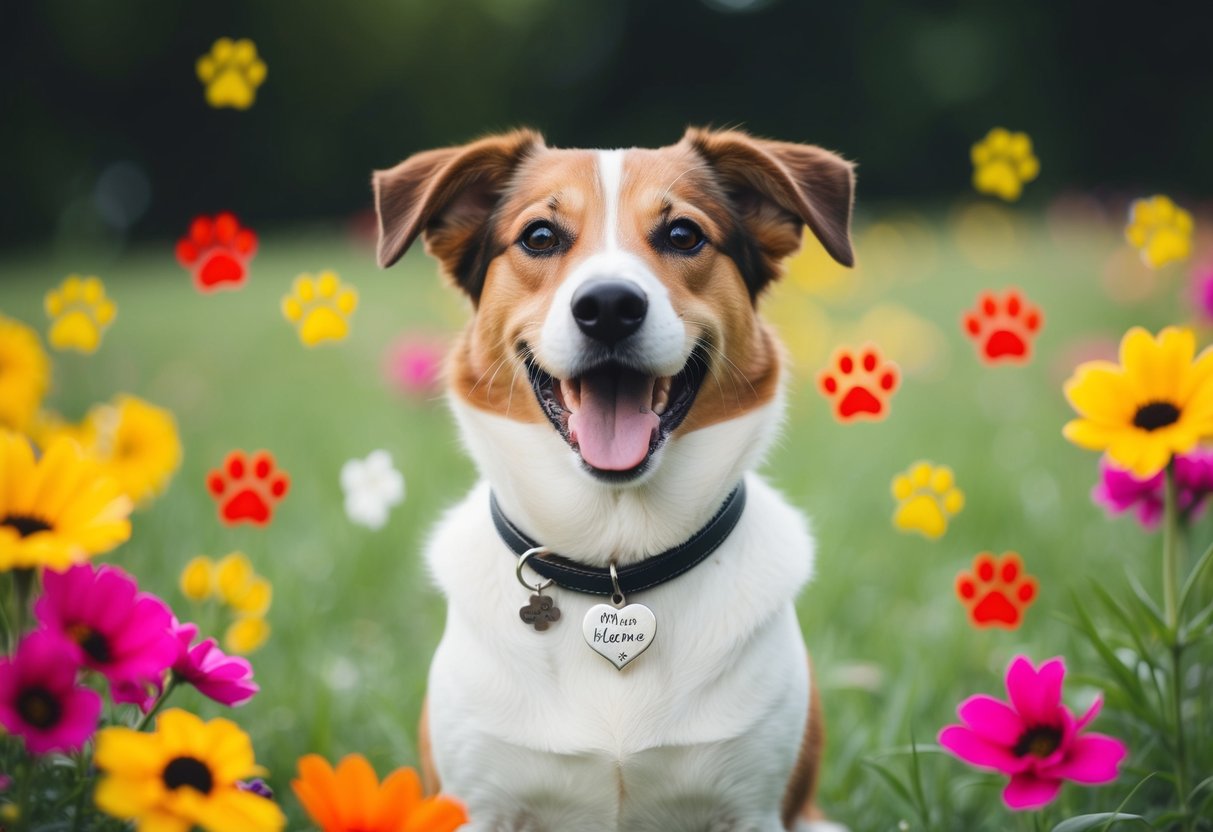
[351, 799]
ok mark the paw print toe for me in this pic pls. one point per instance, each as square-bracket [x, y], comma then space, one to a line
[248, 488]
[1003, 329]
[997, 592]
[80, 313]
[927, 498]
[320, 308]
[859, 385]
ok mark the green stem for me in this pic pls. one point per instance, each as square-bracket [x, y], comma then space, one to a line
[23, 587]
[1170, 594]
[168, 690]
[1170, 559]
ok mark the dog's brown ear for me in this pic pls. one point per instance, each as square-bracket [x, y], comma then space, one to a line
[448, 195]
[777, 188]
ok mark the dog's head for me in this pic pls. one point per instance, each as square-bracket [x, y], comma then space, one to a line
[615, 292]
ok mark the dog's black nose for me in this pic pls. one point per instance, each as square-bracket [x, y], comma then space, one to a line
[609, 310]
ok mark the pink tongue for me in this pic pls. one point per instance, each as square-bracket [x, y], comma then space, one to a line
[614, 425]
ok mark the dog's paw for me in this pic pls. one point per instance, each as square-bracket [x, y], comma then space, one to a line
[231, 72]
[248, 488]
[320, 307]
[859, 386]
[1003, 329]
[997, 592]
[80, 313]
[217, 252]
[927, 498]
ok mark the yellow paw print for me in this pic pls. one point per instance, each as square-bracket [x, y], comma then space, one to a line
[320, 307]
[1160, 230]
[80, 313]
[231, 72]
[927, 497]
[1003, 163]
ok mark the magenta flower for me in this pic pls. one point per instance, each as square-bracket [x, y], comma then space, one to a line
[109, 625]
[1119, 491]
[1202, 292]
[226, 679]
[413, 364]
[1033, 738]
[39, 699]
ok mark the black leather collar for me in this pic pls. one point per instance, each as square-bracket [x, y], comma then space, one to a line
[635, 577]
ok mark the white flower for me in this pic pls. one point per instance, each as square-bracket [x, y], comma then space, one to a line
[372, 486]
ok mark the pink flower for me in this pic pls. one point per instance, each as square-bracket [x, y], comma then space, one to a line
[1119, 491]
[1034, 738]
[39, 699]
[226, 679]
[109, 626]
[413, 364]
[1202, 292]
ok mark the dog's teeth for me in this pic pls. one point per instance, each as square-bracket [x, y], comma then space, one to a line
[661, 395]
[571, 391]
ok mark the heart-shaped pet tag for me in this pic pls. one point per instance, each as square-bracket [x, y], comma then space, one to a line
[619, 635]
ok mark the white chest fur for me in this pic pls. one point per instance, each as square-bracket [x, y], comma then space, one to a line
[534, 731]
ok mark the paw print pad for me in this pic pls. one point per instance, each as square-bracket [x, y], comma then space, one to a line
[320, 307]
[80, 313]
[231, 73]
[859, 384]
[1003, 328]
[997, 592]
[217, 252]
[927, 498]
[247, 488]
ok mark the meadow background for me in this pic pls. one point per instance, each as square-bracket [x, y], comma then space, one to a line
[354, 618]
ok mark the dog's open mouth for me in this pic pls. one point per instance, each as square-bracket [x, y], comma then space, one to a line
[615, 416]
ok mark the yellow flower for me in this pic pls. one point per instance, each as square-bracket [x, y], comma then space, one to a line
[233, 574]
[351, 799]
[80, 313]
[137, 444]
[198, 579]
[246, 634]
[1003, 163]
[25, 373]
[1156, 403]
[182, 775]
[59, 510]
[1160, 230]
[255, 599]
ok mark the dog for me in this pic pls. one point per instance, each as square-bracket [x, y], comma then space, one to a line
[616, 388]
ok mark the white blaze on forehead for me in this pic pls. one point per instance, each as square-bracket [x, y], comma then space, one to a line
[610, 171]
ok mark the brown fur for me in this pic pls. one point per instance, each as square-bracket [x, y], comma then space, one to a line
[430, 781]
[798, 800]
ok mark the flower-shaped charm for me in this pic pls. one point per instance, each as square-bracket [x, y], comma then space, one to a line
[541, 613]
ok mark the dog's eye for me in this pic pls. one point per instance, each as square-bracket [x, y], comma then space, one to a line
[539, 237]
[684, 235]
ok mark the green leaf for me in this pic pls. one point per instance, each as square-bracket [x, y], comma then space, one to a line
[1127, 680]
[892, 781]
[1147, 603]
[1190, 583]
[1084, 822]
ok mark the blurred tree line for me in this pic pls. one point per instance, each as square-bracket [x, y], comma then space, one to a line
[105, 130]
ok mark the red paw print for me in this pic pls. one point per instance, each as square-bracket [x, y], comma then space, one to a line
[997, 592]
[859, 386]
[248, 488]
[217, 252]
[1003, 331]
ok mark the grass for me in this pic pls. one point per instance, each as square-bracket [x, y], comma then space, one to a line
[355, 620]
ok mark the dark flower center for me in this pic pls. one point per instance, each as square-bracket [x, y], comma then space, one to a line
[1156, 415]
[93, 643]
[188, 771]
[25, 524]
[1040, 741]
[39, 707]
